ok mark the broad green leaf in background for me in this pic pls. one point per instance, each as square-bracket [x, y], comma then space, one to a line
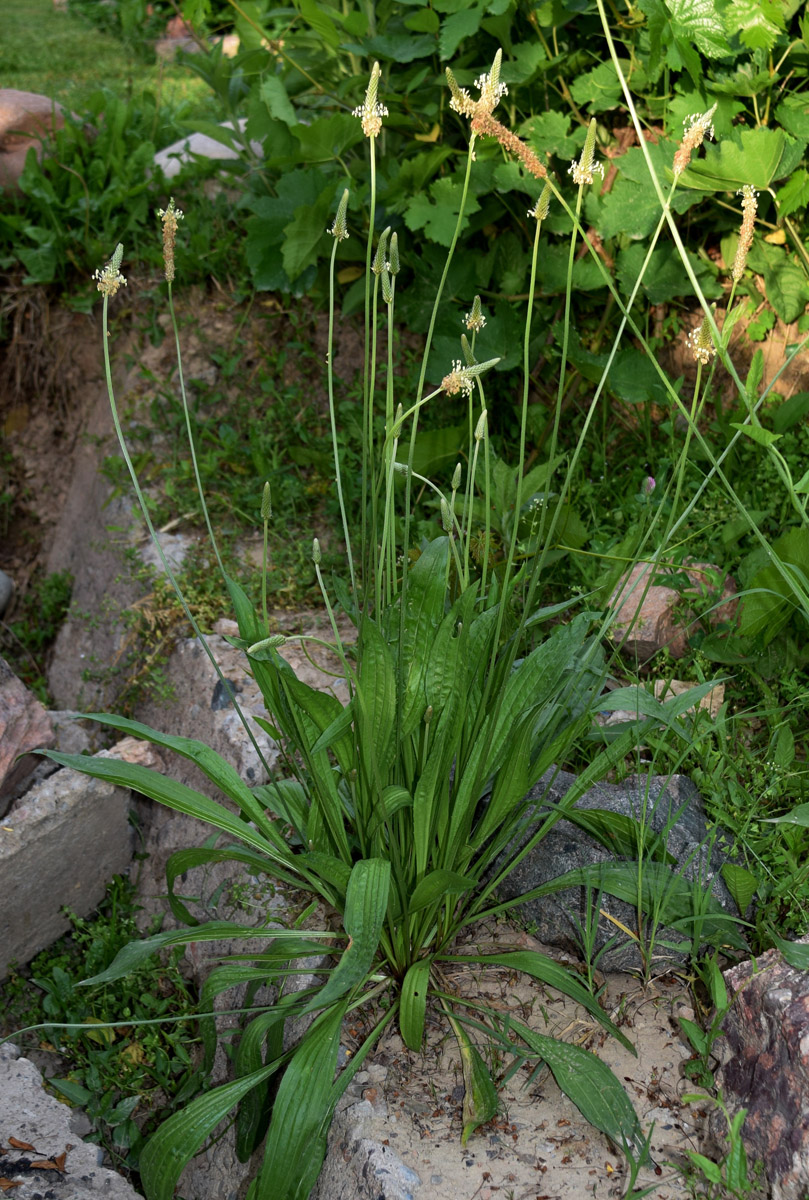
[423, 21]
[757, 22]
[599, 89]
[525, 61]
[699, 21]
[795, 954]
[274, 95]
[397, 47]
[549, 133]
[304, 233]
[757, 433]
[320, 20]
[793, 115]
[770, 600]
[742, 884]
[327, 138]
[785, 282]
[456, 27]
[437, 213]
[750, 156]
[794, 195]
[665, 278]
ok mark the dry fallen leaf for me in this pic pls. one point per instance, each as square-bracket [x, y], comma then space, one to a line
[18, 1145]
[44, 1164]
[6, 1184]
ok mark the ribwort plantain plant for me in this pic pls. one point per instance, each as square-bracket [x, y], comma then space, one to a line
[405, 808]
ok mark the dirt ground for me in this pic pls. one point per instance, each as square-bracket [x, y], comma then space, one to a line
[539, 1147]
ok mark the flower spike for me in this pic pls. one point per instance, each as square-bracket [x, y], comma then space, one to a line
[371, 112]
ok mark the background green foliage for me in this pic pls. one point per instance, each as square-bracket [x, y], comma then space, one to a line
[680, 58]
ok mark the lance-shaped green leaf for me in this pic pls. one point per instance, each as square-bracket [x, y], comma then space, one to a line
[135, 953]
[413, 1003]
[180, 1137]
[302, 1112]
[480, 1095]
[591, 1086]
[375, 704]
[423, 612]
[212, 765]
[540, 966]
[366, 905]
[174, 795]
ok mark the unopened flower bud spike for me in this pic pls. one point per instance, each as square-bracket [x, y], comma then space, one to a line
[380, 258]
[339, 229]
[393, 266]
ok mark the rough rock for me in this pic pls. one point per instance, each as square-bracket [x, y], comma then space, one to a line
[91, 540]
[25, 119]
[6, 591]
[647, 619]
[764, 1068]
[29, 1114]
[660, 801]
[60, 847]
[24, 726]
[175, 547]
[173, 158]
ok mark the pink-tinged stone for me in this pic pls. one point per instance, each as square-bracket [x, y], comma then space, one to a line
[24, 726]
[650, 616]
[25, 119]
[765, 1068]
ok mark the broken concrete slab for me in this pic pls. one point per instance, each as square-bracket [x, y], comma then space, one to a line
[59, 846]
[30, 1115]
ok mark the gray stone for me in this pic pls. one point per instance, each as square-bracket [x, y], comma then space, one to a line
[59, 847]
[659, 801]
[29, 1114]
[359, 1165]
[91, 541]
[175, 547]
[6, 591]
[173, 158]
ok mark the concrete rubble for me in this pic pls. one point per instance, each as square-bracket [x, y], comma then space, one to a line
[51, 1161]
